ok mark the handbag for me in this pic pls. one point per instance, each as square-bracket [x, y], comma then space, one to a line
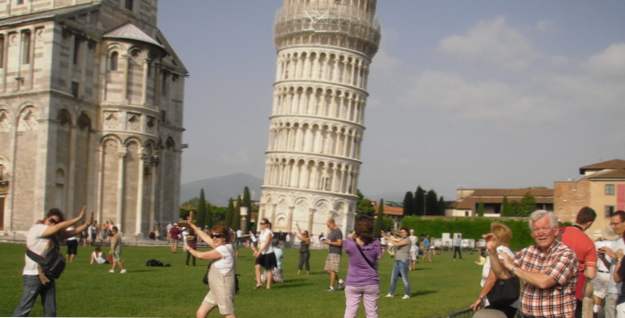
[53, 264]
[504, 293]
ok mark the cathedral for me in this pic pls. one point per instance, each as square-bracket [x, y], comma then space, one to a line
[91, 104]
[312, 165]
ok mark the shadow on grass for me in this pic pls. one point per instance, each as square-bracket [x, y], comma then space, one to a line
[424, 292]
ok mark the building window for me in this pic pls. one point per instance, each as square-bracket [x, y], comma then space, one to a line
[163, 116]
[76, 56]
[609, 189]
[164, 84]
[26, 47]
[129, 4]
[75, 88]
[19, 2]
[113, 61]
[608, 211]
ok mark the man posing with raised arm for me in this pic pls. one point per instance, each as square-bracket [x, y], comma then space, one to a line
[548, 267]
[42, 237]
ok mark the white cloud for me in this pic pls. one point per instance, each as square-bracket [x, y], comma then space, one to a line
[491, 42]
[609, 62]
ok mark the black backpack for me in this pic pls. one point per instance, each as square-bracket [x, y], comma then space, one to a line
[53, 264]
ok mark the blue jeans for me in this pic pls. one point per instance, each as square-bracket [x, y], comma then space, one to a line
[400, 268]
[32, 288]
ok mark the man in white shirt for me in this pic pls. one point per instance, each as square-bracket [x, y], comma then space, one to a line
[615, 253]
[40, 239]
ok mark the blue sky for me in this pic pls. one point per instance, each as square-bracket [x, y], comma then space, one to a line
[462, 93]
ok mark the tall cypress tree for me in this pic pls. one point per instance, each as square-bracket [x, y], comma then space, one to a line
[247, 202]
[201, 210]
[441, 206]
[431, 202]
[236, 220]
[379, 219]
[419, 201]
[229, 213]
[409, 208]
[210, 217]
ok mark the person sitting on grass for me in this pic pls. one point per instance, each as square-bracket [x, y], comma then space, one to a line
[221, 276]
[97, 257]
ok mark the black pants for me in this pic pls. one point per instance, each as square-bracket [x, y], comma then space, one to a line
[304, 261]
[578, 309]
[458, 251]
[190, 256]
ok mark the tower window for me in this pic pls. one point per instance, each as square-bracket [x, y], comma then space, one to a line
[113, 61]
[1, 51]
[129, 4]
[76, 50]
[75, 88]
[26, 47]
[19, 2]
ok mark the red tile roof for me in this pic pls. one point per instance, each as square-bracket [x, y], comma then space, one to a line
[610, 164]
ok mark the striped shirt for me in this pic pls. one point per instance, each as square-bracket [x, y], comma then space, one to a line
[558, 262]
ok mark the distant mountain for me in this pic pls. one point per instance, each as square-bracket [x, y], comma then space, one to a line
[219, 189]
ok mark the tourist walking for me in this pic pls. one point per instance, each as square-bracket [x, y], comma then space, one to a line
[264, 254]
[457, 244]
[174, 236]
[601, 282]
[414, 250]
[43, 240]
[334, 240]
[548, 268]
[304, 250]
[92, 233]
[72, 244]
[221, 275]
[363, 281]
[191, 240]
[489, 307]
[401, 264]
[584, 248]
[116, 251]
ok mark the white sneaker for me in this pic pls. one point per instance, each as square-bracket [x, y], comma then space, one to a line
[389, 295]
[406, 297]
[123, 271]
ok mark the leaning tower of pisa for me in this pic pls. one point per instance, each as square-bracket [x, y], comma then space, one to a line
[324, 49]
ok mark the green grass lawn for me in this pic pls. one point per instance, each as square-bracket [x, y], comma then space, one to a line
[176, 291]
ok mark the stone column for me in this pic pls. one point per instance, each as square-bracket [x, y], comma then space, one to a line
[289, 224]
[152, 212]
[100, 184]
[139, 209]
[311, 219]
[72, 170]
[144, 95]
[120, 187]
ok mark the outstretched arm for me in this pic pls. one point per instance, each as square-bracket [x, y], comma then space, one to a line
[201, 234]
[56, 228]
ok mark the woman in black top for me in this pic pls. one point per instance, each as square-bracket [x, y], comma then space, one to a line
[304, 250]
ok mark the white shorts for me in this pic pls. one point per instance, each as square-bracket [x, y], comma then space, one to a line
[600, 285]
[620, 310]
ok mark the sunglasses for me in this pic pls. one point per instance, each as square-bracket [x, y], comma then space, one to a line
[217, 235]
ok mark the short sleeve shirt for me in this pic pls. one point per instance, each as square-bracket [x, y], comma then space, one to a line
[226, 263]
[36, 243]
[585, 251]
[335, 235]
[560, 263]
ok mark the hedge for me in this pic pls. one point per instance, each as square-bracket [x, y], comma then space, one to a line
[471, 228]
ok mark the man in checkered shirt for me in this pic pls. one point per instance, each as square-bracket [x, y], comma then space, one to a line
[548, 268]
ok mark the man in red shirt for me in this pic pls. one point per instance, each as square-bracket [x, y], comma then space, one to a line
[584, 248]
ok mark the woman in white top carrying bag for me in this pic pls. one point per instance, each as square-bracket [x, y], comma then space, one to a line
[221, 276]
[265, 257]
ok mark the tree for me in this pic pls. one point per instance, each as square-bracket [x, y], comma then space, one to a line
[419, 201]
[441, 206]
[409, 204]
[379, 219]
[364, 205]
[505, 207]
[229, 213]
[527, 205]
[480, 209]
[202, 210]
[247, 202]
[431, 202]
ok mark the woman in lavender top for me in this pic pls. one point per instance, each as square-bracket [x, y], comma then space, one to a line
[362, 279]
